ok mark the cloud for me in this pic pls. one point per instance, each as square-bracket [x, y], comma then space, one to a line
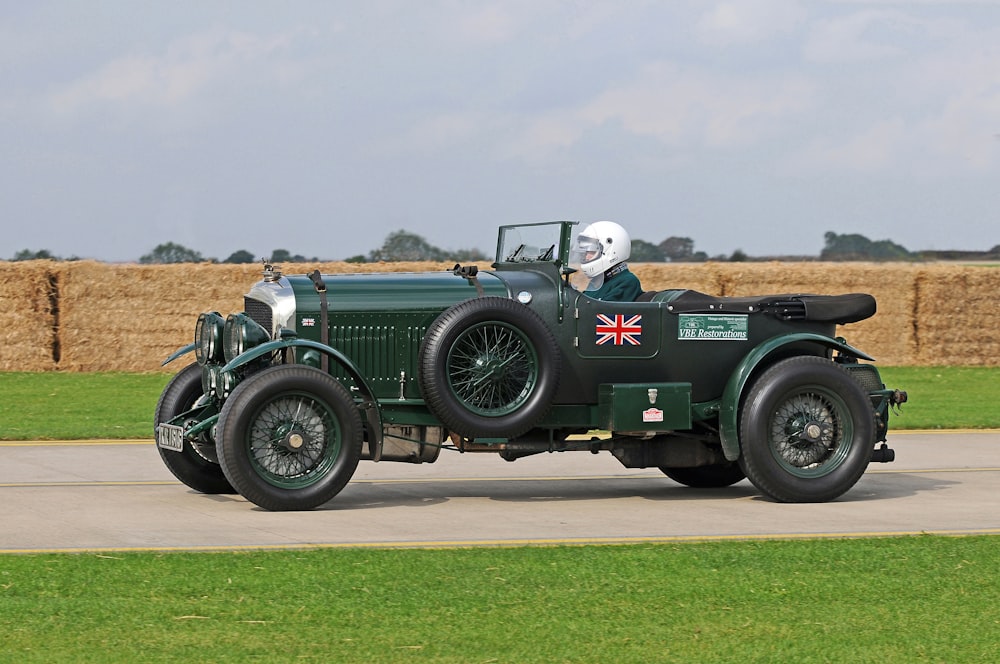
[915, 97]
[678, 106]
[442, 132]
[871, 151]
[857, 37]
[961, 130]
[189, 67]
[748, 21]
[486, 25]
[954, 141]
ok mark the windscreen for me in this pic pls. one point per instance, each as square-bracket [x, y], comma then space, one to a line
[529, 244]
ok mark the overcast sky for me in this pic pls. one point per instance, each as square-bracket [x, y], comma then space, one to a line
[321, 127]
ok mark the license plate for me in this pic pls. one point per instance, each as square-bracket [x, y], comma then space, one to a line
[170, 437]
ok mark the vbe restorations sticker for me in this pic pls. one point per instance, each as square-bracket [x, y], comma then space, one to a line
[712, 327]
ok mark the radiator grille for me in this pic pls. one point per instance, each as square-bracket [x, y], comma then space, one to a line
[260, 313]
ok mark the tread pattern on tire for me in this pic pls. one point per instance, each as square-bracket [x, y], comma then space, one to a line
[188, 466]
[766, 392]
[237, 416]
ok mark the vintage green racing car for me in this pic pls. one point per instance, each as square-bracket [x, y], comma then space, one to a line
[322, 371]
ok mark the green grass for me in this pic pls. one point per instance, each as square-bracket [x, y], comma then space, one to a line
[946, 397]
[74, 406]
[889, 600]
[884, 600]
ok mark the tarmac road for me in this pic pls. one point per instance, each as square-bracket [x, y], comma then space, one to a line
[115, 496]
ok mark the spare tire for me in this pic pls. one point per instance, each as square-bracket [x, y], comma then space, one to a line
[489, 368]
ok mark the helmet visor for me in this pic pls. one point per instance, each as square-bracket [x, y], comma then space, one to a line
[587, 249]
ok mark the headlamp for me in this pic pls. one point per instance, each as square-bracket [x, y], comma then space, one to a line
[216, 382]
[208, 337]
[241, 333]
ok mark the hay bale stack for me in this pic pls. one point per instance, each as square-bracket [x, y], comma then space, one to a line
[662, 276]
[89, 316]
[957, 316]
[27, 318]
[131, 317]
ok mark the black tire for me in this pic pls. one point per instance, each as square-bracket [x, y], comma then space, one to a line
[290, 438]
[195, 466]
[706, 477]
[489, 367]
[806, 431]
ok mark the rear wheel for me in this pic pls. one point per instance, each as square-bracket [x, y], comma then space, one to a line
[196, 465]
[806, 431]
[290, 438]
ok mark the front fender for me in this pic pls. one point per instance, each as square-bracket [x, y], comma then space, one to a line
[369, 405]
[178, 353]
[731, 396]
[281, 344]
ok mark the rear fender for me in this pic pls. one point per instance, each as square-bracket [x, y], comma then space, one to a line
[729, 411]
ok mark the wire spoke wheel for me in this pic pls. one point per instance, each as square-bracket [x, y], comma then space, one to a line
[808, 432]
[489, 367]
[492, 369]
[292, 438]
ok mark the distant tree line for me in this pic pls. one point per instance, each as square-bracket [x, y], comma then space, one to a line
[405, 246]
[854, 247]
[400, 246]
[43, 255]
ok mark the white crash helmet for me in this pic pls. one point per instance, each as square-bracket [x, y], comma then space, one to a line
[608, 241]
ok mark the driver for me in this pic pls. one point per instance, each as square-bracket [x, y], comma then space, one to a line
[603, 247]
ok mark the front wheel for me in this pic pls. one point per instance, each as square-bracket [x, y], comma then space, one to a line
[196, 465]
[290, 438]
[806, 431]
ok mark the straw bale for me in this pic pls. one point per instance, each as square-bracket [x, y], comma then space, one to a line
[27, 318]
[102, 317]
[663, 276]
[131, 317]
[958, 319]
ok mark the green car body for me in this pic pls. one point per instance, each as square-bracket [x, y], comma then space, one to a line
[321, 371]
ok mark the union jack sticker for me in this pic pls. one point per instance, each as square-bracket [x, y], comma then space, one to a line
[619, 330]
